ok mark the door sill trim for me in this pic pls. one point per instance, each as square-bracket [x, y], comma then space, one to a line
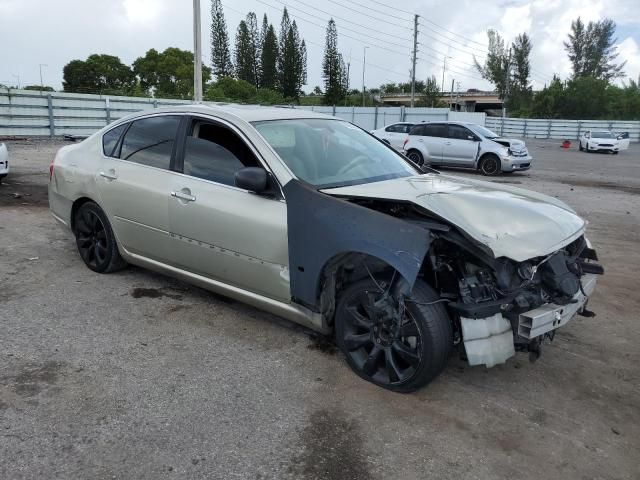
[291, 311]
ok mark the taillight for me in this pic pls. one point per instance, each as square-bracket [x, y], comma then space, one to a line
[51, 170]
[405, 142]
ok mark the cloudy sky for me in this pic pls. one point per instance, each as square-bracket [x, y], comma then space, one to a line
[53, 32]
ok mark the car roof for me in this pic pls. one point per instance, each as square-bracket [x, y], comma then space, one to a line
[248, 113]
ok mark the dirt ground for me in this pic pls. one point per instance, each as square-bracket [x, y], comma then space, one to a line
[136, 375]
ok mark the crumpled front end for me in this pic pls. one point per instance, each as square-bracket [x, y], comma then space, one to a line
[516, 306]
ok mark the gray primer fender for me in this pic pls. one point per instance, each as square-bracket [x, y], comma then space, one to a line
[321, 226]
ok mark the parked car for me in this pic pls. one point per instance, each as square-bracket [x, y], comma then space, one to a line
[599, 141]
[310, 218]
[466, 145]
[4, 161]
[394, 134]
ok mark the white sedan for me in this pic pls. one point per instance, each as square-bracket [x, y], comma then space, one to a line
[4, 161]
[394, 134]
[599, 141]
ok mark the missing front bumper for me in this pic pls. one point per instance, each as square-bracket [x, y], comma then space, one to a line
[550, 316]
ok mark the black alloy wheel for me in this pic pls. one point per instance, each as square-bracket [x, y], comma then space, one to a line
[95, 239]
[490, 165]
[400, 347]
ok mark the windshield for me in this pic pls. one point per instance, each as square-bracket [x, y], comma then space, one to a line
[485, 132]
[330, 153]
[602, 135]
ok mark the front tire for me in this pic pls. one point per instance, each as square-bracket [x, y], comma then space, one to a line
[580, 146]
[403, 354]
[95, 239]
[490, 165]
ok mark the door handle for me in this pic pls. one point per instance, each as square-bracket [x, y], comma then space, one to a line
[183, 196]
[447, 143]
[108, 176]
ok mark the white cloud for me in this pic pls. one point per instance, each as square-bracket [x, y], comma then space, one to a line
[36, 31]
[629, 50]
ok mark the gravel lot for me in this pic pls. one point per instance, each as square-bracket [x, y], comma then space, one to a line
[136, 375]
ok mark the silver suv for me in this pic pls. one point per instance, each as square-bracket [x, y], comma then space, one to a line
[313, 219]
[465, 145]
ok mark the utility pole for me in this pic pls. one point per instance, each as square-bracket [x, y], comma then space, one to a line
[444, 67]
[18, 78]
[506, 85]
[346, 97]
[457, 95]
[197, 53]
[41, 83]
[451, 94]
[364, 65]
[413, 68]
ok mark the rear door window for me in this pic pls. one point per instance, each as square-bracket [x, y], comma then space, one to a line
[417, 130]
[110, 139]
[435, 130]
[149, 141]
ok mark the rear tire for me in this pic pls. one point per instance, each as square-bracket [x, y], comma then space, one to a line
[401, 357]
[490, 165]
[416, 157]
[95, 239]
[580, 146]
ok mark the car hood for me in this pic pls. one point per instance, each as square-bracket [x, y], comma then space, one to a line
[512, 143]
[513, 222]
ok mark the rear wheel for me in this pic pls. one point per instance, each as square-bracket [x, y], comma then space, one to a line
[95, 239]
[400, 348]
[490, 165]
[416, 157]
[580, 146]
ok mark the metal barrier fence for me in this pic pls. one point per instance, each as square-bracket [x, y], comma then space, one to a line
[32, 113]
[558, 129]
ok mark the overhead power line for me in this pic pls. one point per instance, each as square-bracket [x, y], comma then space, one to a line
[360, 12]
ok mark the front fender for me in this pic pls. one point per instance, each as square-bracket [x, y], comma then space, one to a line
[321, 226]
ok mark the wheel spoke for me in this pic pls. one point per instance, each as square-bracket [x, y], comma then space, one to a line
[394, 371]
[99, 252]
[359, 320]
[371, 365]
[406, 353]
[353, 342]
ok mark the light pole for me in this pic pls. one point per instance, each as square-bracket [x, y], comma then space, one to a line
[197, 53]
[41, 83]
[364, 66]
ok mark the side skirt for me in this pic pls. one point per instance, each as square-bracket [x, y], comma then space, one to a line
[290, 311]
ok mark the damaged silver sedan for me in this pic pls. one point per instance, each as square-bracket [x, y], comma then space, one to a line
[315, 220]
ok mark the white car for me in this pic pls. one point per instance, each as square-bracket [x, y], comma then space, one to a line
[465, 145]
[599, 141]
[394, 134]
[4, 161]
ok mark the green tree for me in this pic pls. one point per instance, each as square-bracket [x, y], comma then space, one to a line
[592, 50]
[268, 59]
[520, 91]
[41, 88]
[497, 65]
[245, 54]
[430, 93]
[98, 74]
[548, 102]
[227, 89]
[168, 74]
[220, 52]
[333, 67]
[255, 43]
[292, 61]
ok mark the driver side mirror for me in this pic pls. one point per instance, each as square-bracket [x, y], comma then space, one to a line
[473, 138]
[254, 179]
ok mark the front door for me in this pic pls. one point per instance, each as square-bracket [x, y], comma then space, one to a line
[133, 183]
[460, 147]
[218, 230]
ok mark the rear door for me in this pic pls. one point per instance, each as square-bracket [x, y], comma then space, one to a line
[460, 148]
[221, 231]
[396, 134]
[133, 182]
[433, 138]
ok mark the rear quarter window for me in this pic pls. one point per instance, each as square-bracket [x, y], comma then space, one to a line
[110, 139]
